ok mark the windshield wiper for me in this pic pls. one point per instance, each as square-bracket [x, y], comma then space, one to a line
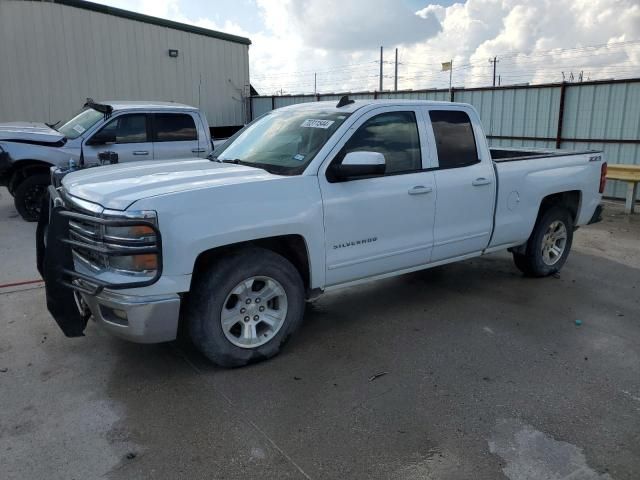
[237, 161]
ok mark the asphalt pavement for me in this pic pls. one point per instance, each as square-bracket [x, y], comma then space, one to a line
[467, 371]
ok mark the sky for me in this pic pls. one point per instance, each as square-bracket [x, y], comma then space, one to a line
[334, 45]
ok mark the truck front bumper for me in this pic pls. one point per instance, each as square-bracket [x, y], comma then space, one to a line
[73, 296]
[152, 319]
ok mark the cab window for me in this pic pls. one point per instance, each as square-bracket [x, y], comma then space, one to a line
[393, 134]
[130, 128]
[174, 127]
[454, 138]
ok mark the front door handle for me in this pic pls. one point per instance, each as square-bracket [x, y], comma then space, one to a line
[480, 181]
[141, 152]
[198, 150]
[420, 190]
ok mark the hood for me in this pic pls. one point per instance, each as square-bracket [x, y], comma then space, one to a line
[29, 132]
[118, 186]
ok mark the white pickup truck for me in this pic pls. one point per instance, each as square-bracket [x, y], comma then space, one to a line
[132, 130]
[304, 199]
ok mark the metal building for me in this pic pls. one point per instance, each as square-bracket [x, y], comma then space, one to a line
[56, 53]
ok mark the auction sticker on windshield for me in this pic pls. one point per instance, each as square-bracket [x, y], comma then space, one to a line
[79, 129]
[313, 123]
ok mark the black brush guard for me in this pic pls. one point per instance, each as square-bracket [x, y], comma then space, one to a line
[63, 283]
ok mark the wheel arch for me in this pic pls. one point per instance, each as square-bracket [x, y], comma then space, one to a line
[21, 169]
[571, 199]
[293, 247]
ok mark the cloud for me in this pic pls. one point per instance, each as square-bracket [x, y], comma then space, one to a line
[534, 40]
[350, 25]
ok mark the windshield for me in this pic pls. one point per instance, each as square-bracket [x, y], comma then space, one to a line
[80, 123]
[282, 141]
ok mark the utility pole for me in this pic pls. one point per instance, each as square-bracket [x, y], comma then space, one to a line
[380, 69]
[450, 78]
[315, 83]
[395, 83]
[494, 61]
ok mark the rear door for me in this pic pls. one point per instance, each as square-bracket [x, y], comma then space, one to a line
[465, 185]
[175, 136]
[128, 135]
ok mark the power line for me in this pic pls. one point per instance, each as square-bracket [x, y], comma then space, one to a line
[517, 65]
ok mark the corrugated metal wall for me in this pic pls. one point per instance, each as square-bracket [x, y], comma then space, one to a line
[595, 115]
[54, 56]
[608, 112]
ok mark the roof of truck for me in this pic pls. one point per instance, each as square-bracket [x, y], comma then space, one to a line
[352, 107]
[145, 105]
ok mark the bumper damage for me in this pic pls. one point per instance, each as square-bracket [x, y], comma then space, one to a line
[74, 297]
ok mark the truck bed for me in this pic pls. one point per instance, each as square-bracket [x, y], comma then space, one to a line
[501, 154]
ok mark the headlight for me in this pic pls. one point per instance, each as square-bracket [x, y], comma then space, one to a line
[138, 238]
[134, 233]
[122, 242]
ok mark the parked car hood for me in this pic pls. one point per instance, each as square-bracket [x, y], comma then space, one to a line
[118, 186]
[29, 132]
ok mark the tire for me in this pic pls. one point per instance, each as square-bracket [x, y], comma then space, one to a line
[549, 244]
[28, 196]
[230, 291]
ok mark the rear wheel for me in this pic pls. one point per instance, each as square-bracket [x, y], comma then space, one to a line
[245, 307]
[549, 245]
[28, 196]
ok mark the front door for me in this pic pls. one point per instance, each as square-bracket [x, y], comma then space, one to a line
[127, 135]
[380, 224]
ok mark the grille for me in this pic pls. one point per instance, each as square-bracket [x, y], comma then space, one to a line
[92, 247]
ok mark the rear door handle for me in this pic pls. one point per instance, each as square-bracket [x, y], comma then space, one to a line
[420, 190]
[480, 181]
[198, 150]
[141, 152]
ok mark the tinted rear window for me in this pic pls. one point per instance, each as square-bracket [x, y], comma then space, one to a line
[454, 138]
[174, 127]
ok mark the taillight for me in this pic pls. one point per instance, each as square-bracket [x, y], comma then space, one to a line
[603, 177]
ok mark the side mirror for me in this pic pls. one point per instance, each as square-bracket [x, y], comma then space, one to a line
[108, 158]
[359, 164]
[102, 138]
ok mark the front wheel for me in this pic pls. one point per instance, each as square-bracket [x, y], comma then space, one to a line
[29, 194]
[245, 307]
[549, 245]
